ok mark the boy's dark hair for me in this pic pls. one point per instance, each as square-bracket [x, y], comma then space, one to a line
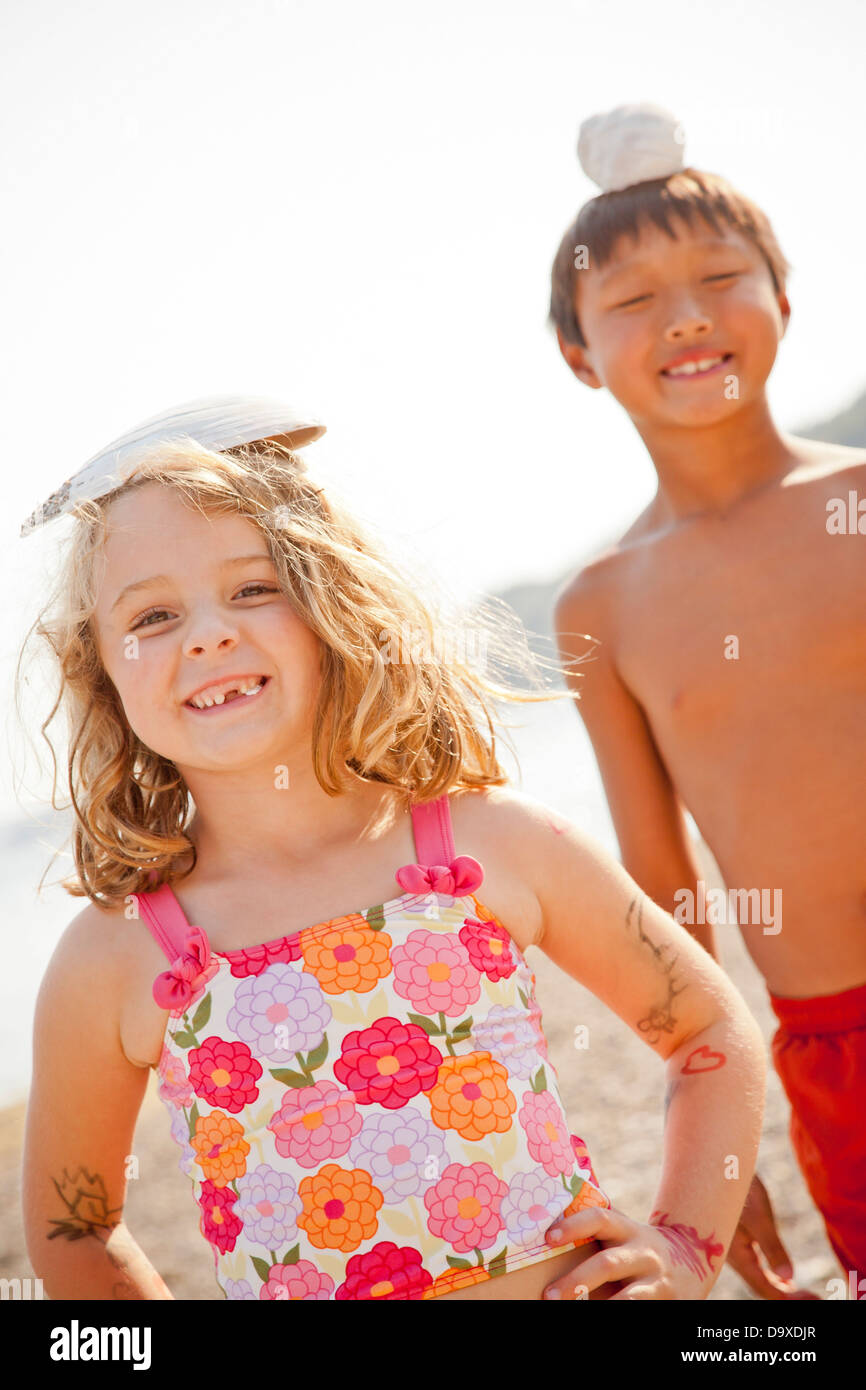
[688, 193]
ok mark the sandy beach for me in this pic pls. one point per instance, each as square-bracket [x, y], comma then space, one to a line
[613, 1092]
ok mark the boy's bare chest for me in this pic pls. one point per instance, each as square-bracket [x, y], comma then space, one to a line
[727, 623]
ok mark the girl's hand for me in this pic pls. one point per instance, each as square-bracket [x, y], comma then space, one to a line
[663, 1260]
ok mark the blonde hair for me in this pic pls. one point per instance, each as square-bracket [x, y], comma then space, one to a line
[411, 725]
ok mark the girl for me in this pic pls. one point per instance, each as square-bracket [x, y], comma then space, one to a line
[365, 1106]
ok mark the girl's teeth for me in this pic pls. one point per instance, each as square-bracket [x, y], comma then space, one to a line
[219, 698]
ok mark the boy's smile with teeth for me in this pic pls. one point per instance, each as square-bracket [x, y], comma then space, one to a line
[699, 366]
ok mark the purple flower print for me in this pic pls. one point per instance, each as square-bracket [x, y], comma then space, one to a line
[180, 1134]
[531, 1204]
[433, 971]
[547, 1136]
[402, 1151]
[239, 1288]
[269, 1206]
[419, 908]
[281, 999]
[315, 1124]
[509, 1036]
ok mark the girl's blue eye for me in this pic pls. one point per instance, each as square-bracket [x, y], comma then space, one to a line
[151, 613]
[160, 613]
[265, 588]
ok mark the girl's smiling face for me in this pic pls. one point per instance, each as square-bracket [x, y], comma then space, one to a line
[660, 297]
[186, 601]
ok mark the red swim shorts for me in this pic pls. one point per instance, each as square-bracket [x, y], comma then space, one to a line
[819, 1052]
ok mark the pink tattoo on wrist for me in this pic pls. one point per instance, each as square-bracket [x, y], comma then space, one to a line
[687, 1247]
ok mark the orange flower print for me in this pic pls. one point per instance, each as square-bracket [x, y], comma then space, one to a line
[471, 1095]
[220, 1146]
[588, 1196]
[340, 1206]
[345, 954]
[455, 1279]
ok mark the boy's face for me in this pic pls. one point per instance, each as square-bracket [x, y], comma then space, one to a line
[659, 298]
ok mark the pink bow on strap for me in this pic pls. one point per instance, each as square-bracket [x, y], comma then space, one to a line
[176, 988]
[460, 876]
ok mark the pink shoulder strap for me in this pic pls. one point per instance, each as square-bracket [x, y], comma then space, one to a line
[436, 870]
[434, 836]
[165, 920]
[187, 948]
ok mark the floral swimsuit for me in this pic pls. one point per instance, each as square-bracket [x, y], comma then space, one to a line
[366, 1108]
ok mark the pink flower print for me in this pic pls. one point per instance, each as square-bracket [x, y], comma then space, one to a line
[315, 1124]
[387, 1271]
[280, 1013]
[174, 1084]
[531, 1205]
[542, 1040]
[301, 1280]
[547, 1135]
[433, 971]
[489, 947]
[218, 1223]
[269, 1206]
[402, 1151]
[224, 1073]
[509, 1036]
[388, 1063]
[584, 1161]
[252, 960]
[463, 1206]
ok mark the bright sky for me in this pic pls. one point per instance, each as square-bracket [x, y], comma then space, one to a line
[355, 207]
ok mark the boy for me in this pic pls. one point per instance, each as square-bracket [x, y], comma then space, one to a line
[730, 679]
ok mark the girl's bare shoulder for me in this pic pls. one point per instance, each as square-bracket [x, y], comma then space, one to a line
[515, 831]
[512, 829]
[501, 812]
[106, 948]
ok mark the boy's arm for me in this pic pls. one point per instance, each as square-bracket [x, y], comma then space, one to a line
[84, 1100]
[646, 812]
[654, 845]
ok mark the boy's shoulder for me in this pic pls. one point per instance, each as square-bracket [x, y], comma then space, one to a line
[591, 590]
[820, 459]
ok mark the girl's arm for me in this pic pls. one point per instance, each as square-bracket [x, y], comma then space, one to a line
[605, 932]
[84, 1100]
